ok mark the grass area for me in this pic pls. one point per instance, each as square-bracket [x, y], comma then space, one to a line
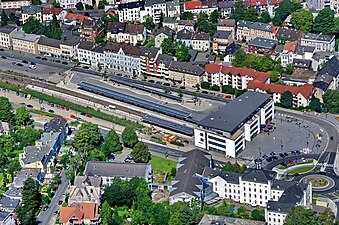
[299, 163]
[157, 140]
[42, 113]
[74, 123]
[301, 170]
[161, 164]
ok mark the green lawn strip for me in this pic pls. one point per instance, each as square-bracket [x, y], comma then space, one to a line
[301, 163]
[73, 106]
[42, 113]
[301, 170]
[161, 164]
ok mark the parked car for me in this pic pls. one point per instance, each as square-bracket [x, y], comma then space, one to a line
[291, 162]
[275, 158]
[282, 155]
[269, 159]
[3, 57]
[82, 113]
[33, 67]
[42, 109]
[88, 115]
[33, 63]
[22, 103]
[25, 61]
[45, 59]
[55, 212]
[73, 116]
[293, 152]
[283, 164]
[45, 208]
[285, 154]
[297, 152]
[19, 64]
[65, 63]
[29, 106]
[38, 57]
[60, 202]
[51, 111]
[67, 109]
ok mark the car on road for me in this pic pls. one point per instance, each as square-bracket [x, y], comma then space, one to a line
[60, 202]
[285, 154]
[282, 155]
[151, 81]
[293, 152]
[322, 173]
[22, 103]
[38, 57]
[2, 50]
[25, 61]
[88, 115]
[83, 113]
[85, 67]
[65, 63]
[331, 138]
[55, 212]
[73, 116]
[19, 64]
[269, 159]
[33, 67]
[166, 84]
[205, 92]
[291, 162]
[296, 174]
[57, 61]
[45, 59]
[272, 153]
[297, 152]
[33, 63]
[45, 208]
[275, 158]
[3, 57]
[29, 106]
[158, 82]
[283, 164]
[42, 109]
[264, 156]
[51, 111]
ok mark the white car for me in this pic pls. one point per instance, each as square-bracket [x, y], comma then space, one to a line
[33, 67]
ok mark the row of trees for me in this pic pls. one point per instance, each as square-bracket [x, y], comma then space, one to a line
[175, 48]
[251, 14]
[259, 63]
[302, 216]
[5, 19]
[331, 101]
[286, 101]
[34, 26]
[235, 168]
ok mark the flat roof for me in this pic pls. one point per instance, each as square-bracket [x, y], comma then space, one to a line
[229, 117]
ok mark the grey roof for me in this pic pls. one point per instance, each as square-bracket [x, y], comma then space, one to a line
[280, 48]
[321, 55]
[326, 74]
[192, 54]
[290, 34]
[8, 28]
[9, 203]
[229, 117]
[263, 42]
[13, 192]
[164, 30]
[94, 181]
[184, 34]
[70, 35]
[154, 2]
[259, 176]
[255, 25]
[222, 34]
[170, 20]
[229, 177]
[25, 37]
[186, 67]
[116, 27]
[57, 124]
[24, 174]
[31, 9]
[300, 50]
[112, 169]
[302, 63]
[201, 36]
[226, 23]
[149, 52]
[282, 185]
[86, 45]
[131, 5]
[186, 22]
[4, 215]
[318, 37]
[164, 59]
[223, 220]
[49, 42]
[98, 49]
[226, 5]
[126, 48]
[192, 162]
[232, 48]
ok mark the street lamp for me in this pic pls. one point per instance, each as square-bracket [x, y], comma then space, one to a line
[281, 145]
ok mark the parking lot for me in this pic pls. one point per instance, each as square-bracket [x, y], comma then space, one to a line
[289, 134]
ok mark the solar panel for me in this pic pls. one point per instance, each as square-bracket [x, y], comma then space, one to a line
[168, 125]
[134, 100]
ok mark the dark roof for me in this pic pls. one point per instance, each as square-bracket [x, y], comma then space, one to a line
[149, 52]
[112, 169]
[192, 53]
[290, 34]
[192, 162]
[186, 67]
[318, 37]
[229, 177]
[201, 36]
[259, 176]
[49, 42]
[87, 45]
[255, 25]
[302, 63]
[134, 29]
[70, 35]
[184, 34]
[331, 67]
[154, 2]
[282, 184]
[6, 202]
[229, 117]
[94, 181]
[226, 23]
[164, 30]
[57, 124]
[323, 81]
[98, 49]
[116, 27]
[8, 28]
[300, 50]
[92, 24]
[31, 9]
[131, 5]
[164, 59]
[186, 22]
[4, 215]
[263, 42]
[226, 5]
[170, 20]
[222, 34]
[126, 48]
[232, 48]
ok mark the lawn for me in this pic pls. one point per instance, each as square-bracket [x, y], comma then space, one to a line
[161, 164]
[301, 170]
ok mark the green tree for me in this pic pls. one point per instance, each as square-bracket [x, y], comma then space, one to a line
[258, 215]
[87, 139]
[106, 18]
[111, 143]
[53, 30]
[149, 24]
[187, 16]
[4, 18]
[286, 99]
[129, 137]
[327, 217]
[12, 18]
[289, 69]
[301, 216]
[286, 7]
[79, 6]
[251, 14]
[239, 11]
[6, 113]
[228, 167]
[331, 101]
[106, 214]
[323, 22]
[101, 4]
[214, 16]
[36, 2]
[265, 17]
[181, 51]
[55, 3]
[167, 46]
[32, 25]
[274, 76]
[315, 104]
[302, 19]
[202, 22]
[239, 58]
[22, 117]
[31, 201]
[181, 214]
[141, 153]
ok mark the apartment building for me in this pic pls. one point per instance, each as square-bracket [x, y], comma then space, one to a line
[328, 76]
[221, 40]
[90, 29]
[47, 14]
[226, 25]
[131, 11]
[154, 9]
[170, 22]
[31, 11]
[126, 33]
[197, 6]
[161, 66]
[226, 129]
[201, 41]
[86, 189]
[148, 57]
[6, 35]
[187, 25]
[246, 30]
[23, 42]
[293, 50]
[320, 42]
[14, 4]
[187, 74]
[262, 46]
[161, 34]
[49, 47]
[284, 35]
[71, 4]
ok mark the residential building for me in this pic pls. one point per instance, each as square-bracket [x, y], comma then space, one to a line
[147, 58]
[84, 52]
[5, 128]
[98, 57]
[173, 8]
[246, 30]
[6, 34]
[161, 66]
[161, 34]
[14, 4]
[284, 35]
[328, 76]
[49, 47]
[48, 13]
[154, 9]
[71, 4]
[226, 8]
[131, 11]
[226, 129]
[126, 33]
[303, 64]
[170, 22]
[263, 5]
[201, 41]
[57, 124]
[125, 171]
[321, 42]
[122, 57]
[185, 36]
[187, 25]
[31, 11]
[197, 6]
[23, 42]
[262, 46]
[299, 77]
[214, 220]
[186, 185]
[226, 25]
[8, 204]
[74, 19]
[229, 52]
[234, 77]
[86, 189]
[90, 29]
[187, 74]
[7, 218]
[221, 40]
[79, 213]
[293, 51]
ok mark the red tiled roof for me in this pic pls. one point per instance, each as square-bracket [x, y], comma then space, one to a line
[76, 17]
[194, 4]
[54, 11]
[80, 211]
[253, 3]
[212, 68]
[275, 29]
[290, 47]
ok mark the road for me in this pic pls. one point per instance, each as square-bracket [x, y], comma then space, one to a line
[46, 217]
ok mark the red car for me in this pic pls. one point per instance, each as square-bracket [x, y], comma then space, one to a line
[73, 116]
[67, 109]
[291, 162]
[88, 115]
[62, 107]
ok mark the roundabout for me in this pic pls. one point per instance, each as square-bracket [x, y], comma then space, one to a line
[319, 182]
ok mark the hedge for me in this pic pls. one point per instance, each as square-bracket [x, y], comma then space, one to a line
[73, 106]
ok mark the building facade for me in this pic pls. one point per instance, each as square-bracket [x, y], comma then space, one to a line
[320, 42]
[23, 42]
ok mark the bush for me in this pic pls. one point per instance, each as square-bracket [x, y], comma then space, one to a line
[215, 88]
[258, 215]
[205, 85]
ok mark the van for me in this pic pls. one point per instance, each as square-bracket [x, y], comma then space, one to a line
[29, 97]
[33, 67]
